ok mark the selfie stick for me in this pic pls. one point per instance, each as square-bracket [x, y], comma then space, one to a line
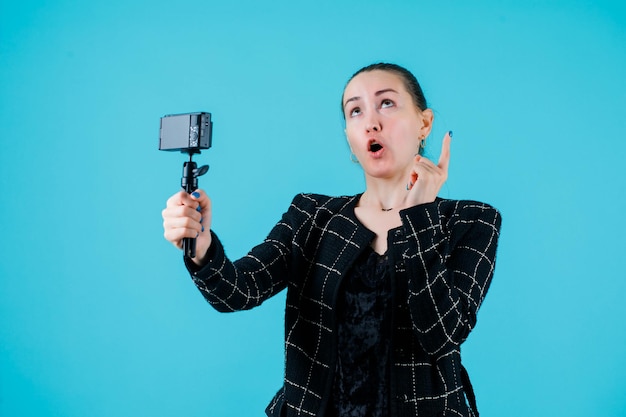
[189, 182]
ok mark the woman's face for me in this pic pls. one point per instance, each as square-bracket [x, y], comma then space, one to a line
[383, 124]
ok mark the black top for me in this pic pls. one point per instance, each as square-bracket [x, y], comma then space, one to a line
[361, 384]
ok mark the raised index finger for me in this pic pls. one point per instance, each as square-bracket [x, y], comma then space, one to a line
[444, 158]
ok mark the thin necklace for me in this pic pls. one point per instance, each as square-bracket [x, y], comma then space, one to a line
[386, 209]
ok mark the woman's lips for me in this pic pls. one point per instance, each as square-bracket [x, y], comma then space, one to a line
[375, 149]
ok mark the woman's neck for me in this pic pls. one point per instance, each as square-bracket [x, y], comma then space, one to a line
[384, 194]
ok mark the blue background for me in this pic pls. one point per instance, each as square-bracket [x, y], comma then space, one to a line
[97, 314]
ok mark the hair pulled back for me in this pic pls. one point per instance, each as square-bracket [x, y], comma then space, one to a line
[410, 82]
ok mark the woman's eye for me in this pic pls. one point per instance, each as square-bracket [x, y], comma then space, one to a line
[355, 112]
[386, 103]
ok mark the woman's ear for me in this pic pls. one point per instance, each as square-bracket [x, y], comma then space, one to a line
[427, 122]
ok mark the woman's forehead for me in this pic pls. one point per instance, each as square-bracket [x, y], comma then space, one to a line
[373, 81]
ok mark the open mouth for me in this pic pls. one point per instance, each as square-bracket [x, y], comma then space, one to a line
[375, 147]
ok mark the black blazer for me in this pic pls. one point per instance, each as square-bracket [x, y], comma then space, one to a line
[444, 257]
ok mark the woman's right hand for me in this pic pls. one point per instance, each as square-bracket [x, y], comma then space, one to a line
[188, 215]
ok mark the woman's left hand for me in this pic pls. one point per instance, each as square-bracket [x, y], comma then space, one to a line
[427, 178]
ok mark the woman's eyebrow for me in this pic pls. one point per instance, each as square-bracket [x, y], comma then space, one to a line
[386, 90]
[379, 92]
[355, 98]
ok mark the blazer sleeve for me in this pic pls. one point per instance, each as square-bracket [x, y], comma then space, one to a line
[450, 266]
[247, 282]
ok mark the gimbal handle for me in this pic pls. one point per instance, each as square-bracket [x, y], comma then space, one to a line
[189, 182]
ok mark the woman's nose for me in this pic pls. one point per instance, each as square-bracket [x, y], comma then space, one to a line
[373, 125]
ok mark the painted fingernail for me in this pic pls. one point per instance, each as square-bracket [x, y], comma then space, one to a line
[201, 219]
[197, 234]
[450, 133]
[196, 194]
[203, 228]
[198, 209]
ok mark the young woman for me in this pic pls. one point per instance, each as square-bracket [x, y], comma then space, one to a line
[382, 287]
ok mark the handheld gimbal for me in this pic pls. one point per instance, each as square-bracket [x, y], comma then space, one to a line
[187, 133]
